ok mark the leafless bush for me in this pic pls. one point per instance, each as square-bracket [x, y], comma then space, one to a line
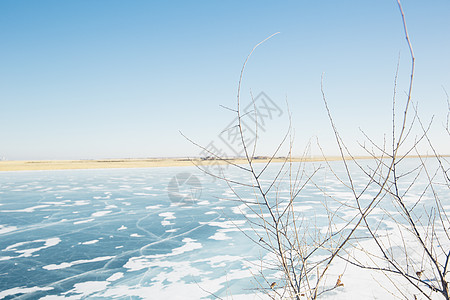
[398, 225]
[410, 241]
[298, 251]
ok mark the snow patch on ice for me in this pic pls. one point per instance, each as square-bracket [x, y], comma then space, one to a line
[83, 221]
[146, 261]
[6, 229]
[29, 252]
[136, 235]
[115, 276]
[23, 290]
[81, 202]
[101, 213]
[76, 262]
[27, 210]
[219, 236]
[167, 215]
[225, 224]
[90, 242]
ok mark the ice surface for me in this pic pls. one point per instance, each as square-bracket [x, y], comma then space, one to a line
[106, 234]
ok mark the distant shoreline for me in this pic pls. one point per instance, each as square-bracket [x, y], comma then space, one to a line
[30, 165]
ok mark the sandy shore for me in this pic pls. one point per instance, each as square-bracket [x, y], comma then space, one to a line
[126, 163]
[29, 165]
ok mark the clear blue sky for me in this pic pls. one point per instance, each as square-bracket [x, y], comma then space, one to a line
[119, 79]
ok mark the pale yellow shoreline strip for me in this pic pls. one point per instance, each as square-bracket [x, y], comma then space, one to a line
[135, 163]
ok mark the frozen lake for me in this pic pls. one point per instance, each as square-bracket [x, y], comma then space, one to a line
[121, 233]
